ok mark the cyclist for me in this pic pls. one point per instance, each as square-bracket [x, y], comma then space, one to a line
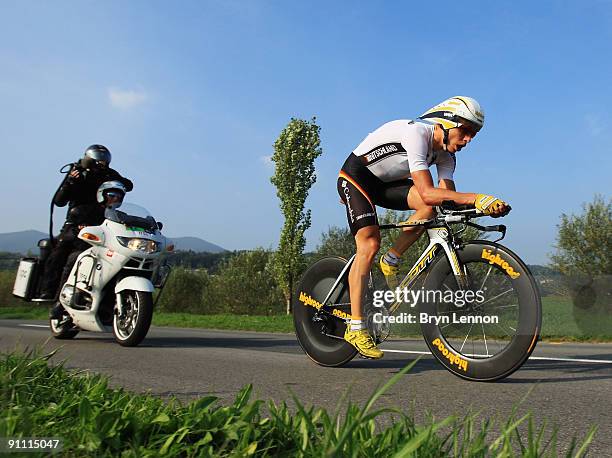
[390, 168]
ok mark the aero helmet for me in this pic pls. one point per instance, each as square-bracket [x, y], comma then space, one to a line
[453, 111]
[96, 155]
[111, 189]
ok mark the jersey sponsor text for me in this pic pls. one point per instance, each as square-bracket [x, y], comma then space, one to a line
[381, 151]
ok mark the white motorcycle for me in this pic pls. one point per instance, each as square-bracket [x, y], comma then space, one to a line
[111, 284]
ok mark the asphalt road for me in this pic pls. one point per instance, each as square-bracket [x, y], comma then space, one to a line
[569, 384]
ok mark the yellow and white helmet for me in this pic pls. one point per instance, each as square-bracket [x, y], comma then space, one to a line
[453, 111]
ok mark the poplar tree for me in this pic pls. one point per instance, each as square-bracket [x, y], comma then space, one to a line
[295, 151]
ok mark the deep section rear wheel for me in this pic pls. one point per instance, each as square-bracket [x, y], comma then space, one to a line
[322, 336]
[489, 333]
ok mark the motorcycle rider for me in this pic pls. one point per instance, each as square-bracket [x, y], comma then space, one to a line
[78, 190]
[109, 195]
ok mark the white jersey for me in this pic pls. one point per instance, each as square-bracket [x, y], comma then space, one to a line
[399, 147]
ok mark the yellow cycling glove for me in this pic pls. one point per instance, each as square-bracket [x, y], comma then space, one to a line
[491, 205]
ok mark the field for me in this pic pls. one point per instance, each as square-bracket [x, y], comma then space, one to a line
[561, 321]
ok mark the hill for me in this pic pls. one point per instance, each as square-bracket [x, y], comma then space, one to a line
[196, 244]
[24, 241]
[21, 242]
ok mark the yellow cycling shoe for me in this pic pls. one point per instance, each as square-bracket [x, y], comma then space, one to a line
[363, 342]
[390, 272]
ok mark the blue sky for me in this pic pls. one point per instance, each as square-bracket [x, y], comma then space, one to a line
[190, 96]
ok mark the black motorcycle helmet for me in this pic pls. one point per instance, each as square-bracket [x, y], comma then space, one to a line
[96, 156]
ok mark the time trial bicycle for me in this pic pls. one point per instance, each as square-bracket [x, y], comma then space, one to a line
[479, 307]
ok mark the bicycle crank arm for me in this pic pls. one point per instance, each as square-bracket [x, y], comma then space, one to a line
[322, 313]
[332, 336]
[321, 317]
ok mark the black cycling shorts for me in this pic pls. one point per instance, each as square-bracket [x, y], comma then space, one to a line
[361, 191]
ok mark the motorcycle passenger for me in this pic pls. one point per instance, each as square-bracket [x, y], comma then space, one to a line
[109, 196]
[390, 168]
[78, 190]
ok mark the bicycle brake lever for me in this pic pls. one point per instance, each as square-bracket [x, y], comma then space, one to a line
[500, 228]
[496, 228]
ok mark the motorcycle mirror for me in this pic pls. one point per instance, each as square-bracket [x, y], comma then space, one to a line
[160, 225]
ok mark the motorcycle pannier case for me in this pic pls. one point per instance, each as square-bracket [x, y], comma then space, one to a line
[26, 278]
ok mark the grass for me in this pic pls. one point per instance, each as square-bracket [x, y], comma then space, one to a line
[561, 321]
[262, 323]
[38, 400]
[24, 312]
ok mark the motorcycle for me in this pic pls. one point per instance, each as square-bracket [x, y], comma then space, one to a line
[110, 286]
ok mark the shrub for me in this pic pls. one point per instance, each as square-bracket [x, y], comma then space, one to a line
[184, 290]
[245, 285]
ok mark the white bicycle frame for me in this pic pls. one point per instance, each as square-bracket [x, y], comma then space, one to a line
[438, 236]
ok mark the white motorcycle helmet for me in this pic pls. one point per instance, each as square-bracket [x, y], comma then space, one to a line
[111, 194]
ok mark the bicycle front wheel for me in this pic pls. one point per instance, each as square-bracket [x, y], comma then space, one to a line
[486, 331]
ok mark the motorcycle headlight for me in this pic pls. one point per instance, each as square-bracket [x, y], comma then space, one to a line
[141, 245]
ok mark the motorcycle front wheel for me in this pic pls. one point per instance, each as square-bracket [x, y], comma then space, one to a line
[131, 322]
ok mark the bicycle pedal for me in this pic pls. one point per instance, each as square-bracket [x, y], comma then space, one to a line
[366, 357]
